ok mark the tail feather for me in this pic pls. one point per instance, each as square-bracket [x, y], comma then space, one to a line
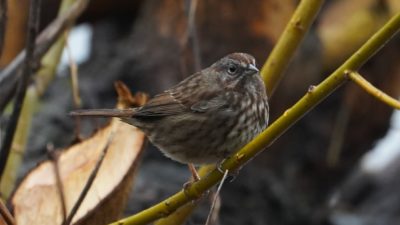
[104, 112]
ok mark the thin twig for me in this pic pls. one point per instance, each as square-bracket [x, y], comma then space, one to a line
[89, 182]
[3, 24]
[192, 33]
[54, 156]
[338, 135]
[10, 75]
[74, 76]
[34, 14]
[75, 88]
[190, 39]
[5, 213]
[372, 90]
[208, 221]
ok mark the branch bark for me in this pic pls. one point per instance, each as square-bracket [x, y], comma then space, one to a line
[293, 34]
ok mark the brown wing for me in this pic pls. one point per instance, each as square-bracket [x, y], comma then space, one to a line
[161, 105]
[183, 98]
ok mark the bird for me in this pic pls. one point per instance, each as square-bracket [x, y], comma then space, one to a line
[207, 116]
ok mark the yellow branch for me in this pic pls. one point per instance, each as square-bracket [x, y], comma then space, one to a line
[180, 216]
[372, 90]
[293, 34]
[306, 103]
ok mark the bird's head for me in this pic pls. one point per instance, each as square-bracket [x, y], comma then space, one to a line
[238, 72]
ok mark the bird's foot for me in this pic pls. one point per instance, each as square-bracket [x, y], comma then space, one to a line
[195, 178]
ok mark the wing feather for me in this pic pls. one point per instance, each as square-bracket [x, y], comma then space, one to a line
[180, 99]
[161, 105]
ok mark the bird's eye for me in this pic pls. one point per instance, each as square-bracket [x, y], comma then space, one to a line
[232, 69]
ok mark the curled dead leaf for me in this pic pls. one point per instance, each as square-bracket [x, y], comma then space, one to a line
[37, 199]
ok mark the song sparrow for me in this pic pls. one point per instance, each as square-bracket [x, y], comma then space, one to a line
[207, 116]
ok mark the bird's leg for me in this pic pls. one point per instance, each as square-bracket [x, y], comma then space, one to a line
[195, 177]
[194, 173]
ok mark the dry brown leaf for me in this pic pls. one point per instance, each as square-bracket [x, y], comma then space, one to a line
[37, 201]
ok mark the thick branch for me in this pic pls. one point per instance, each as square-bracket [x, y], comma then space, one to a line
[181, 215]
[295, 30]
[54, 158]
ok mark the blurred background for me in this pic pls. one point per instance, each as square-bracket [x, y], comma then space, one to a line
[339, 165]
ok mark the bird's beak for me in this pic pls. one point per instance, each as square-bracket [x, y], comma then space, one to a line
[252, 69]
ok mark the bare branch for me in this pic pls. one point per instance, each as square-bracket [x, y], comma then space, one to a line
[74, 77]
[3, 23]
[10, 75]
[54, 156]
[75, 88]
[372, 90]
[190, 42]
[210, 215]
[5, 213]
[34, 15]
[293, 34]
